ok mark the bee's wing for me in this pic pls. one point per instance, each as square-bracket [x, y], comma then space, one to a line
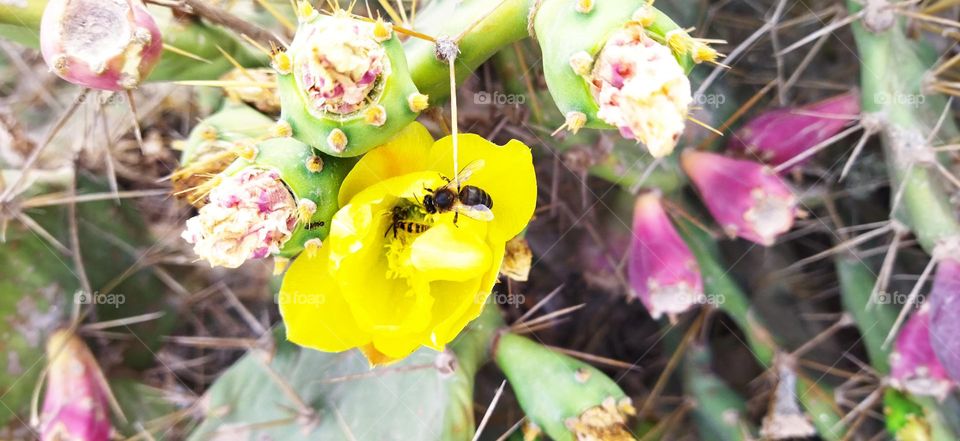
[479, 212]
[469, 169]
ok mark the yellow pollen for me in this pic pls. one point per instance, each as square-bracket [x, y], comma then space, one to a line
[280, 265]
[679, 41]
[281, 129]
[314, 164]
[418, 102]
[584, 6]
[209, 133]
[575, 121]
[312, 246]
[247, 151]
[305, 209]
[305, 11]
[281, 63]
[382, 31]
[337, 140]
[645, 15]
[703, 52]
[375, 115]
[398, 255]
[581, 63]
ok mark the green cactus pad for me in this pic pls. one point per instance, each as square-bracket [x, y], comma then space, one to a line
[233, 123]
[552, 387]
[411, 400]
[563, 32]
[395, 87]
[289, 158]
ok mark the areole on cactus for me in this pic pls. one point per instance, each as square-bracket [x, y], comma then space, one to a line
[344, 84]
[101, 44]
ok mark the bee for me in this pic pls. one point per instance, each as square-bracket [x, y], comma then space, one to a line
[399, 222]
[470, 200]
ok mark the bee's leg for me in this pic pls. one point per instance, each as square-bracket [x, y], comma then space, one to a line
[456, 217]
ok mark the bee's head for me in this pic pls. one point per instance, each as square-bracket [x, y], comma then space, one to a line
[429, 204]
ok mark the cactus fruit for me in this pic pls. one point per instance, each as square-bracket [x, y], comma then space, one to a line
[744, 197]
[278, 200]
[77, 400]
[564, 397]
[662, 270]
[777, 136]
[344, 84]
[618, 65]
[101, 44]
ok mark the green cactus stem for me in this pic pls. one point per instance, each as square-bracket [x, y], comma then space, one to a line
[480, 29]
[719, 411]
[816, 399]
[892, 74]
[564, 397]
[874, 322]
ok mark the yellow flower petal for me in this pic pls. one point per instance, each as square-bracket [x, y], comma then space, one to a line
[404, 153]
[313, 309]
[451, 307]
[450, 326]
[446, 252]
[507, 175]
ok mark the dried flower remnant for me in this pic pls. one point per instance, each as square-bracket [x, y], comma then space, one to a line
[344, 83]
[76, 405]
[344, 63]
[641, 89]
[746, 198]
[100, 44]
[663, 271]
[913, 365]
[249, 216]
[778, 136]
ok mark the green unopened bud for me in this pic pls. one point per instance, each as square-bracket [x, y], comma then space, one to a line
[214, 144]
[334, 72]
[566, 398]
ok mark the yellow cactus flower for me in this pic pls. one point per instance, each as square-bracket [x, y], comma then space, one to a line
[391, 277]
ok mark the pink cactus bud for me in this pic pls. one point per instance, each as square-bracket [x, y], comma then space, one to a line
[76, 405]
[662, 270]
[746, 198]
[945, 315]
[100, 44]
[777, 136]
[913, 365]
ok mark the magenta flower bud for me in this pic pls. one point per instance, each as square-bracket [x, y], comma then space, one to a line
[779, 135]
[662, 270]
[101, 44]
[913, 365]
[746, 198]
[945, 315]
[76, 405]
